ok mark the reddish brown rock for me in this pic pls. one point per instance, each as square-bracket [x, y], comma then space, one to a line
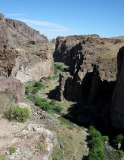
[15, 87]
[93, 70]
[24, 53]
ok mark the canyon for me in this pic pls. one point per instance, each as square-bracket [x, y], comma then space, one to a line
[89, 90]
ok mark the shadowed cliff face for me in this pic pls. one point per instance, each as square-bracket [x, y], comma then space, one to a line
[84, 64]
[24, 53]
[92, 78]
[117, 107]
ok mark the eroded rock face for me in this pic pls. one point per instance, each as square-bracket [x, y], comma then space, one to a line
[32, 66]
[15, 87]
[92, 78]
[103, 47]
[86, 60]
[24, 53]
[117, 107]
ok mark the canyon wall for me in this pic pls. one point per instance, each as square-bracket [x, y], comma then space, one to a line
[24, 53]
[117, 107]
[91, 80]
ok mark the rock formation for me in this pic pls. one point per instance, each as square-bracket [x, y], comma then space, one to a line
[34, 139]
[15, 87]
[117, 107]
[87, 57]
[92, 77]
[22, 47]
[64, 45]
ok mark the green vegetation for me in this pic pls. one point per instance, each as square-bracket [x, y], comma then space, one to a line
[53, 102]
[27, 90]
[41, 147]
[3, 156]
[121, 153]
[45, 105]
[37, 86]
[105, 138]
[54, 159]
[52, 77]
[118, 139]
[59, 67]
[12, 150]
[17, 113]
[32, 87]
[96, 145]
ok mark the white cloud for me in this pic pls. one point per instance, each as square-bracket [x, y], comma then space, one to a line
[45, 24]
[16, 14]
[40, 23]
[51, 30]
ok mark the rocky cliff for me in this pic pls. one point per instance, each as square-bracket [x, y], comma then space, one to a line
[90, 56]
[117, 107]
[92, 76]
[22, 47]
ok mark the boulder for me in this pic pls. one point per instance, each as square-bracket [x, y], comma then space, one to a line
[15, 87]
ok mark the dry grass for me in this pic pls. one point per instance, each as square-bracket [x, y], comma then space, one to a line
[111, 50]
[72, 141]
[6, 100]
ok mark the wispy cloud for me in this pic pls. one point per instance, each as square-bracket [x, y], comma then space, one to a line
[16, 14]
[51, 30]
[45, 24]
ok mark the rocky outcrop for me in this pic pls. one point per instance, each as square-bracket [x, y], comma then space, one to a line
[24, 53]
[84, 64]
[117, 106]
[92, 79]
[63, 47]
[15, 87]
[103, 47]
[35, 139]
[32, 66]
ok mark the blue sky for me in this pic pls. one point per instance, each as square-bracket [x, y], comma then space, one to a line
[68, 17]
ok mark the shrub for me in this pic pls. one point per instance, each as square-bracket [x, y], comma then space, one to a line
[3, 156]
[58, 108]
[105, 138]
[53, 102]
[17, 113]
[121, 152]
[118, 139]
[49, 77]
[41, 147]
[96, 145]
[12, 149]
[46, 106]
[27, 96]
[27, 90]
[35, 90]
[59, 67]
[37, 87]
[38, 84]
